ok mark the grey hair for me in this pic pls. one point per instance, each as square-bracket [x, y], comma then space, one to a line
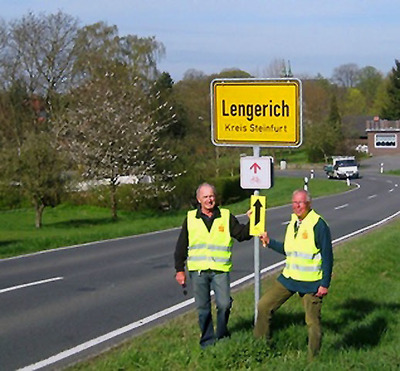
[308, 195]
[205, 185]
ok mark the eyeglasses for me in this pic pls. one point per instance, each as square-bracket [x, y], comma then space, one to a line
[299, 202]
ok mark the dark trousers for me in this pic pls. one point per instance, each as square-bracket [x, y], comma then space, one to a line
[203, 282]
[273, 299]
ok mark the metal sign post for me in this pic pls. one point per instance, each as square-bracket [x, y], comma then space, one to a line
[253, 113]
[257, 286]
[256, 173]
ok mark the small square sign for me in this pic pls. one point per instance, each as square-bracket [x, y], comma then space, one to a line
[256, 172]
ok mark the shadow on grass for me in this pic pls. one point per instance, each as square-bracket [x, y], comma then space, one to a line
[361, 323]
[8, 243]
[243, 324]
[280, 321]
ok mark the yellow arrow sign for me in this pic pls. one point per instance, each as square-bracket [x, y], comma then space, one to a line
[258, 205]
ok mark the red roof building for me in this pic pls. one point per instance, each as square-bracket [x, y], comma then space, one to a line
[383, 137]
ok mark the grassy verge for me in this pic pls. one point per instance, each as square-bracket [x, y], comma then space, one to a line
[67, 225]
[361, 320]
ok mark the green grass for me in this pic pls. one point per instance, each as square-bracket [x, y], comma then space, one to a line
[67, 225]
[361, 321]
[296, 156]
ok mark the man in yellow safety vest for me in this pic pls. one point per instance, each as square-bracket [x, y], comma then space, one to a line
[308, 270]
[205, 245]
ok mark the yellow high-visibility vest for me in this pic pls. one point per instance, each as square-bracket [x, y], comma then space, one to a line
[303, 258]
[209, 250]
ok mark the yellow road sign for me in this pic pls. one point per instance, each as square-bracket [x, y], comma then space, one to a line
[258, 205]
[256, 112]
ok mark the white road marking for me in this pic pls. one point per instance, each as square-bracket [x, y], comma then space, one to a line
[285, 223]
[372, 196]
[91, 343]
[79, 348]
[30, 284]
[341, 206]
[366, 228]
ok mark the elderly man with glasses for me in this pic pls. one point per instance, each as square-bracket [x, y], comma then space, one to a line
[308, 269]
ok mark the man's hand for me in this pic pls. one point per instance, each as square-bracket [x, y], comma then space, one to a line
[322, 291]
[180, 278]
[264, 239]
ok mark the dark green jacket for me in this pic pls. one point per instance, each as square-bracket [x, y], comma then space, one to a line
[323, 241]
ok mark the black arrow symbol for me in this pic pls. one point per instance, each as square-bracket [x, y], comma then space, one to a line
[258, 206]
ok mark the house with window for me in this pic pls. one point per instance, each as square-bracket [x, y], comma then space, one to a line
[383, 137]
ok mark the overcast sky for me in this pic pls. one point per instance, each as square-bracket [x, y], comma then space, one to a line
[211, 35]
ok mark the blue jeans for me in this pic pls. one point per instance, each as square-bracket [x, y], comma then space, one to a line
[203, 283]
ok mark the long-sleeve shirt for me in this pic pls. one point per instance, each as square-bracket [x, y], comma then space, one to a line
[324, 243]
[238, 231]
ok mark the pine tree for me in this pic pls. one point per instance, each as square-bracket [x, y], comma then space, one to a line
[391, 111]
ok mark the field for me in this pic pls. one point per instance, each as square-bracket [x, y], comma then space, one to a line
[361, 315]
[67, 225]
[361, 321]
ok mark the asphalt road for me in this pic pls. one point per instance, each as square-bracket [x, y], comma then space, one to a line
[64, 305]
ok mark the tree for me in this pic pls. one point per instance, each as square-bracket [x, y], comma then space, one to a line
[113, 125]
[163, 91]
[316, 99]
[276, 68]
[335, 119]
[36, 64]
[193, 74]
[3, 37]
[233, 73]
[346, 75]
[30, 160]
[16, 116]
[391, 111]
[193, 94]
[369, 81]
[40, 52]
[354, 103]
[320, 141]
[324, 139]
[111, 131]
[381, 97]
[41, 167]
[99, 47]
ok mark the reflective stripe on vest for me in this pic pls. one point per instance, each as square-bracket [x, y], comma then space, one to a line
[209, 250]
[303, 258]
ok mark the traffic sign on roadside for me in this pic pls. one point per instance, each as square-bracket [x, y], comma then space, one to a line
[257, 218]
[251, 112]
[256, 172]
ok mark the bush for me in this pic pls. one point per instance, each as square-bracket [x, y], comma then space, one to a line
[130, 197]
[229, 190]
[11, 197]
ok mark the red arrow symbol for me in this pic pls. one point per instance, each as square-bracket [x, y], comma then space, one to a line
[256, 167]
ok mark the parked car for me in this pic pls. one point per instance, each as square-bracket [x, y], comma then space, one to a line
[342, 167]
